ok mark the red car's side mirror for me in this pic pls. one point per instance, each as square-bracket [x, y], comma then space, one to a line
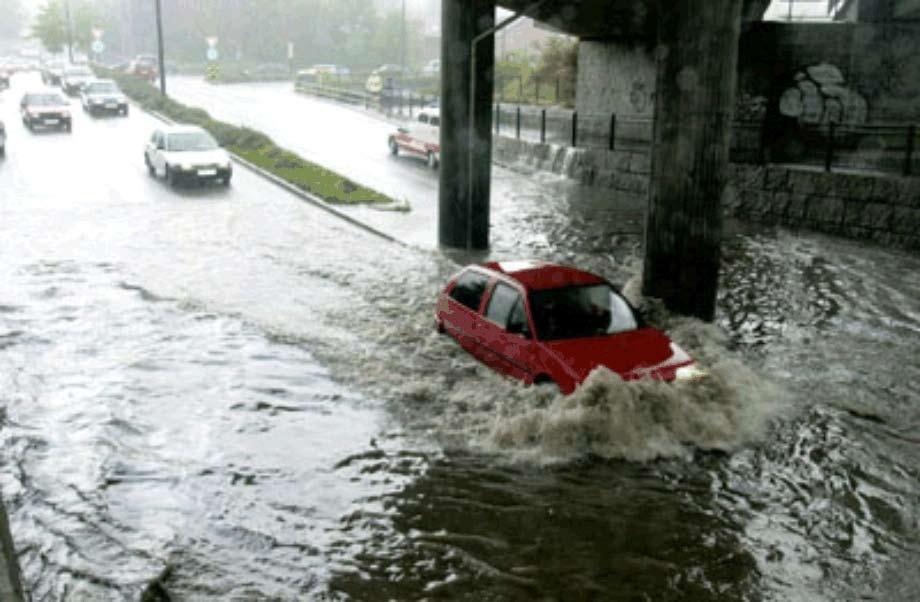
[519, 329]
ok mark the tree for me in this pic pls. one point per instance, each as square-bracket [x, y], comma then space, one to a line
[50, 26]
[12, 19]
[558, 59]
[85, 18]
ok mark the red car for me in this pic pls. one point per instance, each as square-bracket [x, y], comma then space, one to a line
[546, 323]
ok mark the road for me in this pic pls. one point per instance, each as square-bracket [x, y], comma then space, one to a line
[353, 142]
[234, 395]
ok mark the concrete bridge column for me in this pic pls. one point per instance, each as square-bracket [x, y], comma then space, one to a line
[461, 224]
[697, 60]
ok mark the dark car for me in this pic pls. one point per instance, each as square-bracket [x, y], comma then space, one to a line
[74, 78]
[103, 96]
[546, 323]
[45, 109]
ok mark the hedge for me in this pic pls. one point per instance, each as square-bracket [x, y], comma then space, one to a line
[254, 146]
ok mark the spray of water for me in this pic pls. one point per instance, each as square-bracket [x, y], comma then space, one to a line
[647, 419]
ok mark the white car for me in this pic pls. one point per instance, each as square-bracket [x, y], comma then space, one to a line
[184, 153]
[103, 96]
[422, 140]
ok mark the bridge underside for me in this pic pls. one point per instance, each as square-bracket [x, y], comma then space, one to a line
[591, 19]
[696, 55]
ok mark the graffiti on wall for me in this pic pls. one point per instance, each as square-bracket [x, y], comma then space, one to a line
[751, 107]
[640, 97]
[820, 96]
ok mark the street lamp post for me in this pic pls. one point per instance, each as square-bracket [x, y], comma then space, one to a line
[471, 143]
[162, 63]
[69, 30]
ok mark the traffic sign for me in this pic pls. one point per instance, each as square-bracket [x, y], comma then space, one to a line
[98, 46]
[212, 54]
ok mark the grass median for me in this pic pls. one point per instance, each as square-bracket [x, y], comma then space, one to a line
[256, 147]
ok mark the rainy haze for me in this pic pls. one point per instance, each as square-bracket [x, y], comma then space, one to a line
[474, 300]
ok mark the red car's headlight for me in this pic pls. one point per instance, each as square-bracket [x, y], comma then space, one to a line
[691, 373]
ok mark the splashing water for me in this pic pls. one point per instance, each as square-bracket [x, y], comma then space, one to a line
[636, 420]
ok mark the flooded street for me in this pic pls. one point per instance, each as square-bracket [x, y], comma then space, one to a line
[229, 394]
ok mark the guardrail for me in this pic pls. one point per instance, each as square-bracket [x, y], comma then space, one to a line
[889, 148]
[407, 104]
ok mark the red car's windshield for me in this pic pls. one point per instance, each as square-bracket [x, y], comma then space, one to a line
[580, 311]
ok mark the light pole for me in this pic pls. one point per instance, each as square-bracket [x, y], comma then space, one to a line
[471, 143]
[162, 63]
[69, 30]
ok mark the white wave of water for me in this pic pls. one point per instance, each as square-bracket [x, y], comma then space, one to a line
[647, 419]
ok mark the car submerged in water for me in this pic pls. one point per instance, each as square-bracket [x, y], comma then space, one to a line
[546, 323]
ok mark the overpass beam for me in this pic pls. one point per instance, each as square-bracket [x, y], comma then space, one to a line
[463, 219]
[697, 59]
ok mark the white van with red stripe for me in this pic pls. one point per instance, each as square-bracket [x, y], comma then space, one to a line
[422, 140]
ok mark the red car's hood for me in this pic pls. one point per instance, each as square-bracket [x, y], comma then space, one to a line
[632, 355]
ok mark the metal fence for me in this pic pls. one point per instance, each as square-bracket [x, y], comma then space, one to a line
[889, 148]
[571, 128]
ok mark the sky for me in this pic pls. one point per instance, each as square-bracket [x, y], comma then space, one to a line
[779, 9]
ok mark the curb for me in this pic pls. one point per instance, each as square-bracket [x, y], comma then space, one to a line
[301, 194]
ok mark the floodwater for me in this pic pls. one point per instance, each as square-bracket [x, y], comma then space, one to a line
[227, 394]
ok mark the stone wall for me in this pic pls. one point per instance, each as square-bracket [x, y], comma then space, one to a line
[852, 73]
[626, 172]
[883, 209]
[615, 78]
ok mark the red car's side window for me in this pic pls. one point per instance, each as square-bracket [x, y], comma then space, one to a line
[469, 289]
[501, 302]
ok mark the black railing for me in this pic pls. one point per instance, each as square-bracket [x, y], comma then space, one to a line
[889, 148]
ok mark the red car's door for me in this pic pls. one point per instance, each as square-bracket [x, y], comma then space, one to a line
[503, 333]
[462, 312]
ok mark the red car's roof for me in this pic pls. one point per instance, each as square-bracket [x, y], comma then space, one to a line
[540, 275]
